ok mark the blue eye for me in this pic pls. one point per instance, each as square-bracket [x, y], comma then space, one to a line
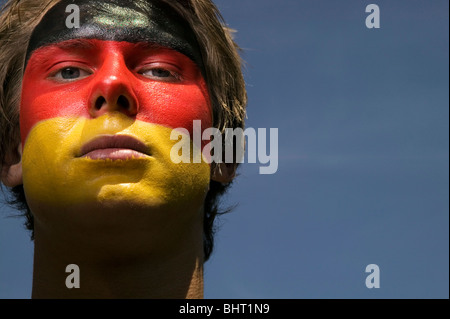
[160, 74]
[70, 74]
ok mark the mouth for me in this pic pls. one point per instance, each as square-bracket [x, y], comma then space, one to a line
[114, 147]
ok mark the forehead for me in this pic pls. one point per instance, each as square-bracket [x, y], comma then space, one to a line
[94, 46]
[94, 52]
[142, 21]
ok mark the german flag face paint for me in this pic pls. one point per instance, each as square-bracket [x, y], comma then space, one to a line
[150, 21]
[97, 112]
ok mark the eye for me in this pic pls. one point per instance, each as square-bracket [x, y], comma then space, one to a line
[161, 74]
[70, 74]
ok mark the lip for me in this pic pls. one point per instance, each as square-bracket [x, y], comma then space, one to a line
[114, 147]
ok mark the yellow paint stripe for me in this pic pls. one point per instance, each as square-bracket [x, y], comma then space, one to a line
[54, 176]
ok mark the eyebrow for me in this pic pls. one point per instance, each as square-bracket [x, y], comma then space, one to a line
[84, 44]
[146, 46]
[88, 44]
[70, 45]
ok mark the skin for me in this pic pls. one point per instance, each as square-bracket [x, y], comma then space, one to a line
[132, 223]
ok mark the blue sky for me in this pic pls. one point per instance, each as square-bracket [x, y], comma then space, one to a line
[363, 172]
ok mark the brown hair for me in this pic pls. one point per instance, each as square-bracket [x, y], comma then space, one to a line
[223, 76]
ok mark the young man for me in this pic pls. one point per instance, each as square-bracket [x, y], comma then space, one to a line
[90, 95]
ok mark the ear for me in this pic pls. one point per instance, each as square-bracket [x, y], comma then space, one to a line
[12, 168]
[224, 173]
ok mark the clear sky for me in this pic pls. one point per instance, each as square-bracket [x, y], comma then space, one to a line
[363, 176]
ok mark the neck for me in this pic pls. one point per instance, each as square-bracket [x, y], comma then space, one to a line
[172, 273]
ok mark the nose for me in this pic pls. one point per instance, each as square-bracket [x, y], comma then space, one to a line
[112, 92]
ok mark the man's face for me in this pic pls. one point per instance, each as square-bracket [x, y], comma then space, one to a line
[96, 117]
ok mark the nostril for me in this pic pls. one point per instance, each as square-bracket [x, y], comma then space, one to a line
[117, 103]
[100, 102]
[123, 102]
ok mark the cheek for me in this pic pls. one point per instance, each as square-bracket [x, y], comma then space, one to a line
[174, 105]
[41, 101]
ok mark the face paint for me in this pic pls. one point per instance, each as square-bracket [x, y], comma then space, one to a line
[154, 84]
[113, 20]
[56, 173]
[77, 90]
